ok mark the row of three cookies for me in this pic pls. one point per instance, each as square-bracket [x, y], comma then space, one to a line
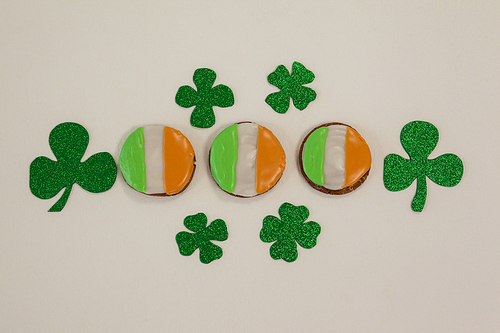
[246, 159]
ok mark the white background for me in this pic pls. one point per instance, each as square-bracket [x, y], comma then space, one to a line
[109, 262]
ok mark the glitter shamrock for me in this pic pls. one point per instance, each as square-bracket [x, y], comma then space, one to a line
[419, 138]
[289, 231]
[205, 98]
[291, 87]
[69, 142]
[189, 242]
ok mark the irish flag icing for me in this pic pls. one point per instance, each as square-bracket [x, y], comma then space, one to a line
[335, 156]
[157, 160]
[246, 159]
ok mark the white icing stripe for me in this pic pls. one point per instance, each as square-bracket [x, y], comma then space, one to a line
[247, 156]
[153, 157]
[334, 166]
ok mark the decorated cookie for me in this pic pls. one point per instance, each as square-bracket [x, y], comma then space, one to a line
[334, 158]
[246, 159]
[157, 160]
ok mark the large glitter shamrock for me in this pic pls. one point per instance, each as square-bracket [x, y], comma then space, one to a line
[419, 138]
[205, 98]
[291, 87]
[289, 231]
[189, 242]
[68, 142]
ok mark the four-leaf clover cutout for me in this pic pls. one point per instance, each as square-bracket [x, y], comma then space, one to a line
[419, 138]
[68, 142]
[201, 238]
[291, 87]
[205, 98]
[286, 232]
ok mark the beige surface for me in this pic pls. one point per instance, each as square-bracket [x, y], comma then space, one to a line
[109, 262]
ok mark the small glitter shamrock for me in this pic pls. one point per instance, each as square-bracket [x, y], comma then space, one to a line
[289, 231]
[291, 87]
[205, 98]
[189, 242]
[68, 142]
[419, 138]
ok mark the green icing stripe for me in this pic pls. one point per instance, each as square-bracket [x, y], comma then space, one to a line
[132, 163]
[223, 157]
[313, 156]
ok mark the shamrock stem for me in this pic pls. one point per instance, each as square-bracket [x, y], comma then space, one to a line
[420, 196]
[59, 205]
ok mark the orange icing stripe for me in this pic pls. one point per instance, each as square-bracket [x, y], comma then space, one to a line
[178, 159]
[270, 161]
[358, 158]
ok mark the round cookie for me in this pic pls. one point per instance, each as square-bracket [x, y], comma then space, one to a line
[334, 158]
[246, 159]
[157, 160]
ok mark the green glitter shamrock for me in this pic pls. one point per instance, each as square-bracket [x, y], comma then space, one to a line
[189, 242]
[419, 138]
[291, 87]
[68, 142]
[289, 231]
[205, 98]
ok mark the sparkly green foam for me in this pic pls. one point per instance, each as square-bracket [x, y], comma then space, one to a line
[202, 237]
[68, 142]
[419, 138]
[291, 86]
[288, 231]
[205, 97]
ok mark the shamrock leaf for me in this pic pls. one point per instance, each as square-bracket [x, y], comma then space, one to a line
[189, 242]
[288, 231]
[419, 138]
[291, 87]
[68, 142]
[205, 98]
